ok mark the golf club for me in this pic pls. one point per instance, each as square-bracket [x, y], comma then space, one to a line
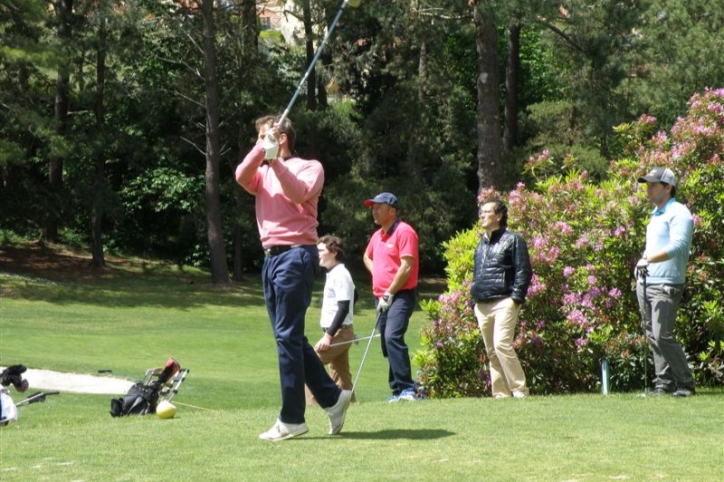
[364, 357]
[642, 274]
[34, 398]
[352, 3]
[356, 340]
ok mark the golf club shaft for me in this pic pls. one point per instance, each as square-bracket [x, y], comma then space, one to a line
[37, 397]
[364, 357]
[355, 340]
[647, 307]
[642, 274]
[313, 62]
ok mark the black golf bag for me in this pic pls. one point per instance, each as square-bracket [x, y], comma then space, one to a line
[140, 400]
[143, 397]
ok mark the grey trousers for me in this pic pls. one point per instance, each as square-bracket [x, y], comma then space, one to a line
[658, 312]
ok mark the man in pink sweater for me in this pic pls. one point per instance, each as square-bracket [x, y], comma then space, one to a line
[287, 190]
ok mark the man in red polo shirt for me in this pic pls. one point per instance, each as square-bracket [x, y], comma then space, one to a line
[392, 258]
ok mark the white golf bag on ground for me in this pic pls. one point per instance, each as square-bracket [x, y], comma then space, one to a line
[12, 375]
[8, 409]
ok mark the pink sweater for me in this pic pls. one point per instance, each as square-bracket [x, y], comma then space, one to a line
[287, 195]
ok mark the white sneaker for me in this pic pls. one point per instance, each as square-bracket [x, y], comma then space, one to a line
[282, 431]
[408, 394]
[519, 395]
[338, 412]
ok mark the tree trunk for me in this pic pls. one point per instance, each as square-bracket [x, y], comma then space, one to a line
[322, 79]
[98, 260]
[249, 27]
[512, 72]
[309, 44]
[412, 166]
[64, 11]
[249, 54]
[490, 169]
[219, 269]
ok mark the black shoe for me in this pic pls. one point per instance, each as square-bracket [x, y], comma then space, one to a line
[684, 392]
[658, 391]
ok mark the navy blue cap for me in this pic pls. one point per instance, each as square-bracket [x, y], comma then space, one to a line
[383, 198]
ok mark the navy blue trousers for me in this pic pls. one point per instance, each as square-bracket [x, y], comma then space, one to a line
[393, 325]
[288, 280]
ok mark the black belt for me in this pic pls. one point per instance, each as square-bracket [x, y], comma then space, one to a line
[272, 251]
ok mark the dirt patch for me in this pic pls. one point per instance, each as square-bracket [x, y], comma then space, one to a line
[52, 262]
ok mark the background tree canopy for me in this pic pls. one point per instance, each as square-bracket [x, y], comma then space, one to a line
[121, 123]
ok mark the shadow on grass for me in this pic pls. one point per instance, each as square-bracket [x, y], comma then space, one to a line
[130, 294]
[410, 434]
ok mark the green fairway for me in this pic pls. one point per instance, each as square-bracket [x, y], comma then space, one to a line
[133, 317]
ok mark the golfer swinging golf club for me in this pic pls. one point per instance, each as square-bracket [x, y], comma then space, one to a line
[287, 190]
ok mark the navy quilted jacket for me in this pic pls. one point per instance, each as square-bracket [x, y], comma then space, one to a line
[502, 268]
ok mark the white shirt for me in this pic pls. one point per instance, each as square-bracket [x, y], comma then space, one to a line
[338, 287]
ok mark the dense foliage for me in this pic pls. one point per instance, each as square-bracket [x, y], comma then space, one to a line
[584, 240]
[395, 109]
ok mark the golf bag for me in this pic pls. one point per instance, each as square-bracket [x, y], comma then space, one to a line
[143, 397]
[12, 375]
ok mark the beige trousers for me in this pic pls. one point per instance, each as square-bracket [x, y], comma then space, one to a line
[497, 321]
[337, 357]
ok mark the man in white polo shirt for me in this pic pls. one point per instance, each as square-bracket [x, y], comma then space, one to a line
[337, 314]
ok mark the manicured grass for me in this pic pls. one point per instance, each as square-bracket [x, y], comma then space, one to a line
[133, 317]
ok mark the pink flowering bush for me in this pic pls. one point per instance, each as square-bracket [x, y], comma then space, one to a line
[584, 240]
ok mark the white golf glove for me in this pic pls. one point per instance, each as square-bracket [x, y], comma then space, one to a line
[643, 263]
[271, 147]
[385, 301]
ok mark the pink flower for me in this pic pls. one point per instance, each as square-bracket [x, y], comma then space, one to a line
[539, 243]
[571, 299]
[563, 227]
[535, 286]
[578, 318]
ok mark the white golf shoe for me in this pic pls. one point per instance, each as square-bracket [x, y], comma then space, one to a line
[283, 431]
[338, 412]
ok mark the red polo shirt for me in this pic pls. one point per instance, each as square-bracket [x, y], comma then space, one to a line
[385, 250]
